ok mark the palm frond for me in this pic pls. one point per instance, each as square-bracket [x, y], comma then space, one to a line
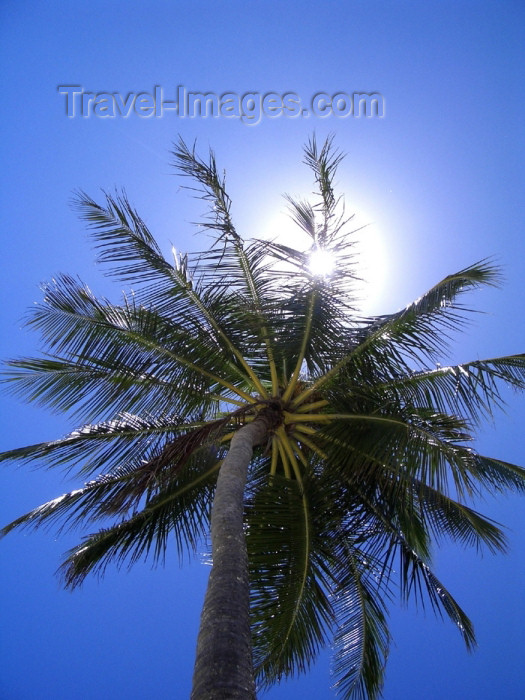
[472, 389]
[324, 163]
[89, 390]
[180, 511]
[421, 329]
[379, 348]
[211, 187]
[447, 517]
[362, 639]
[132, 484]
[291, 612]
[498, 476]
[393, 535]
[122, 238]
[134, 351]
[303, 214]
[239, 266]
[126, 438]
[388, 447]
[417, 577]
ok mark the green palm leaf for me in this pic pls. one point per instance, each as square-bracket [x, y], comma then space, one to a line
[180, 512]
[362, 639]
[291, 612]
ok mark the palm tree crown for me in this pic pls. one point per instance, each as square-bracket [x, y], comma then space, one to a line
[359, 446]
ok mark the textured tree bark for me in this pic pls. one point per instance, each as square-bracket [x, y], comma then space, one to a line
[224, 666]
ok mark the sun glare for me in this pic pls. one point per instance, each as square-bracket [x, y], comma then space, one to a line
[371, 259]
[321, 262]
[370, 255]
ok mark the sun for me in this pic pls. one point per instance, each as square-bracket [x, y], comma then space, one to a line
[321, 262]
[370, 250]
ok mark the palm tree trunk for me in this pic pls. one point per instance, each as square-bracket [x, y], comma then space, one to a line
[224, 667]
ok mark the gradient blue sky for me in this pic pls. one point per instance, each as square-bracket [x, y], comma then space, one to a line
[441, 178]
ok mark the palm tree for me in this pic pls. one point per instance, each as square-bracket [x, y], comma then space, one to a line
[236, 391]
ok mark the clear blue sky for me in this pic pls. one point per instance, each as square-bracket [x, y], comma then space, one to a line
[441, 177]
